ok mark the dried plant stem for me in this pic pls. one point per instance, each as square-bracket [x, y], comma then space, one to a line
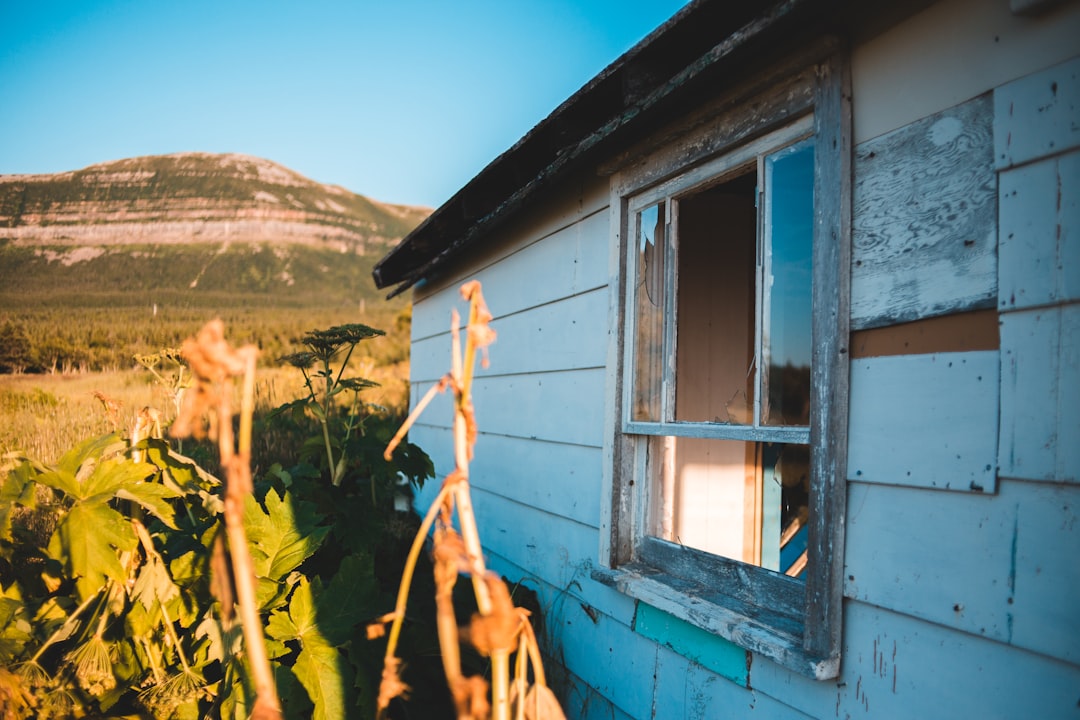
[498, 628]
[214, 363]
[238, 485]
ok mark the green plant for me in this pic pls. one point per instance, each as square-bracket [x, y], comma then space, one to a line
[325, 382]
[121, 591]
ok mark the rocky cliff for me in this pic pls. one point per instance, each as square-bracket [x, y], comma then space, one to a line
[194, 198]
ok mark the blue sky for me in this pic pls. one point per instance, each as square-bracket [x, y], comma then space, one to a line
[401, 100]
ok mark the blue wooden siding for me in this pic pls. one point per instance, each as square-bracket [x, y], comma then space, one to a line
[959, 601]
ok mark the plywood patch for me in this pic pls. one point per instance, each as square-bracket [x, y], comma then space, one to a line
[924, 234]
[962, 332]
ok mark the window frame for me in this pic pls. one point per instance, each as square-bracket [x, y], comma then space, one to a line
[793, 622]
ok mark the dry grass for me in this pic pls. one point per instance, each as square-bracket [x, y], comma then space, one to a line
[43, 416]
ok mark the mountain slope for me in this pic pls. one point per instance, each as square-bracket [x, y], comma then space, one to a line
[177, 198]
[192, 227]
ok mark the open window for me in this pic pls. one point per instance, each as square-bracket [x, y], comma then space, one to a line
[727, 480]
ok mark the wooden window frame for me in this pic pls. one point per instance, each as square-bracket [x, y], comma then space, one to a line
[796, 623]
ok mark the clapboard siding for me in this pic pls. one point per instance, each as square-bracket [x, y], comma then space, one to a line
[552, 477]
[897, 666]
[1040, 233]
[561, 407]
[568, 334]
[686, 690]
[925, 420]
[1035, 116]
[925, 206]
[991, 566]
[1040, 384]
[571, 260]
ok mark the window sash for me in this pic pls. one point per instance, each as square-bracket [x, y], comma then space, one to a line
[809, 644]
[667, 194]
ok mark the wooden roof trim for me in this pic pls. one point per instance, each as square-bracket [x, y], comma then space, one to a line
[436, 241]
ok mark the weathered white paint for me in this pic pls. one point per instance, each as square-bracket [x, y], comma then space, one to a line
[993, 567]
[1035, 116]
[950, 52]
[1039, 250]
[1040, 384]
[914, 554]
[896, 666]
[924, 232]
[686, 690]
[551, 477]
[925, 420]
[568, 334]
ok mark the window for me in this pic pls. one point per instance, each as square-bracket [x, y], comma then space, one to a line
[728, 439]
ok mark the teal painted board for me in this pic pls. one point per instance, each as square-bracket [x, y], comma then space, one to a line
[553, 477]
[924, 219]
[943, 557]
[567, 334]
[1039, 249]
[1046, 572]
[925, 420]
[1035, 116]
[689, 691]
[899, 667]
[1040, 379]
[582, 702]
[702, 647]
[614, 660]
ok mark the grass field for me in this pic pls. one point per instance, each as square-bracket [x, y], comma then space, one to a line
[44, 415]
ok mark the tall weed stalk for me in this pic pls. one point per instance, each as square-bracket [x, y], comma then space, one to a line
[498, 629]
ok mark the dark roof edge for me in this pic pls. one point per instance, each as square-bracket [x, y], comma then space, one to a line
[665, 66]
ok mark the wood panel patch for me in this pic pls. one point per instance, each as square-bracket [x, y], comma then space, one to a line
[961, 332]
[925, 421]
[925, 219]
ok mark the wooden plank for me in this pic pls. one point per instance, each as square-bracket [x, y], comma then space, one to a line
[962, 332]
[1046, 575]
[555, 478]
[832, 294]
[567, 334]
[1035, 116]
[901, 667]
[568, 261]
[712, 652]
[925, 421]
[943, 557]
[562, 407]
[1040, 381]
[925, 211]
[685, 689]
[1039, 249]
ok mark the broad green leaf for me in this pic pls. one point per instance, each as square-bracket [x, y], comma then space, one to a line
[283, 536]
[181, 470]
[93, 448]
[153, 584]
[322, 670]
[302, 611]
[349, 599]
[63, 481]
[153, 497]
[86, 542]
[114, 473]
[280, 626]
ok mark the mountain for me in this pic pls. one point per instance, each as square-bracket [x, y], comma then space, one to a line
[193, 228]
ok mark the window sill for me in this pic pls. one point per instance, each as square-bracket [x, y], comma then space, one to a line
[757, 629]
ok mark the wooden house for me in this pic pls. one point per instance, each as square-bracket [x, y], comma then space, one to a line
[783, 419]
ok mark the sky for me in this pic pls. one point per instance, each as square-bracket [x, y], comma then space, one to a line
[403, 101]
